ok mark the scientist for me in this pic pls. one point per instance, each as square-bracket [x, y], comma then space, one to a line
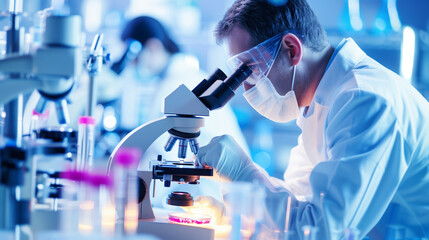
[362, 160]
[157, 71]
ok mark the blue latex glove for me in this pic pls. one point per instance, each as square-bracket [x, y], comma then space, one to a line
[228, 159]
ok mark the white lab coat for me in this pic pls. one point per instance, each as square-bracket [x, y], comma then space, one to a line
[362, 160]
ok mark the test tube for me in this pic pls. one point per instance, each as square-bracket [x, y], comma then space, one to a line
[93, 218]
[85, 144]
[257, 208]
[126, 189]
[287, 219]
[72, 181]
[237, 205]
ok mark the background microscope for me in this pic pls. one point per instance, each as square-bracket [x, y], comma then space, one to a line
[51, 69]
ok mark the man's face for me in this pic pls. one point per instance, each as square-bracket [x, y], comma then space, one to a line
[239, 40]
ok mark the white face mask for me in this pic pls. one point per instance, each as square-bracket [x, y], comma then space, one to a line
[264, 98]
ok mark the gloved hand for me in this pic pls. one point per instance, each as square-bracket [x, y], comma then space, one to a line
[228, 159]
[212, 207]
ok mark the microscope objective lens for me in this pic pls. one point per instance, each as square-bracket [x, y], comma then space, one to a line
[183, 144]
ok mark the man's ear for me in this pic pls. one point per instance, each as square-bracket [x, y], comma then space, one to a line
[293, 45]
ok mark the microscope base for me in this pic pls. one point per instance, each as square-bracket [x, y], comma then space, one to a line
[166, 230]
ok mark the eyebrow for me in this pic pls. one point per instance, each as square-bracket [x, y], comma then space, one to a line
[247, 61]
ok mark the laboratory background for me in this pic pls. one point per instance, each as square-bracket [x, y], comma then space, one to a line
[120, 97]
[395, 33]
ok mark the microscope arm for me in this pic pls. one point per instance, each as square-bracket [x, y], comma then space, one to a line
[143, 136]
[17, 64]
[52, 70]
[11, 88]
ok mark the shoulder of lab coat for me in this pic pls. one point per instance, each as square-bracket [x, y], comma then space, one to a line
[368, 135]
[368, 151]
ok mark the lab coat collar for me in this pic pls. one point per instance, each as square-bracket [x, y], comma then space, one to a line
[344, 61]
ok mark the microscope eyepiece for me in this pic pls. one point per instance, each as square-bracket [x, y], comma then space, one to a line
[240, 74]
[220, 92]
[205, 84]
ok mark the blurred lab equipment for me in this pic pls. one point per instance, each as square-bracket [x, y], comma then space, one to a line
[237, 202]
[15, 195]
[183, 109]
[94, 65]
[51, 70]
[149, 55]
[38, 121]
[93, 204]
[88, 207]
[133, 48]
[387, 19]
[50, 153]
[126, 188]
[85, 143]
[245, 212]
[351, 20]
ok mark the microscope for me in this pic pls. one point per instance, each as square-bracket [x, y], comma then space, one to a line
[184, 111]
[51, 70]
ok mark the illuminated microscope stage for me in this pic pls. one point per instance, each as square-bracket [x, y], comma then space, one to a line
[163, 223]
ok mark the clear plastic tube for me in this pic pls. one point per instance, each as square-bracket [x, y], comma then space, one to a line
[85, 144]
[238, 209]
[94, 204]
[125, 174]
[257, 207]
[90, 208]
[72, 181]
